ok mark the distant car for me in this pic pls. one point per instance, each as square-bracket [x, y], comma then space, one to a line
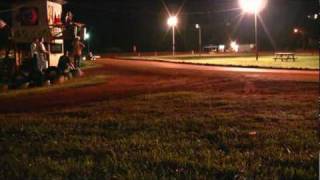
[214, 48]
[211, 48]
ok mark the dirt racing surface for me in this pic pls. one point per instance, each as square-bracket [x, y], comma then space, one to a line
[130, 78]
[152, 120]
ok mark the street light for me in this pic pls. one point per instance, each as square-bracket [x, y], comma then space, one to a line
[172, 22]
[253, 7]
[200, 39]
[87, 38]
[234, 46]
[300, 33]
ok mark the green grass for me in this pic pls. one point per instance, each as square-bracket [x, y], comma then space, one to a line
[73, 83]
[302, 62]
[184, 135]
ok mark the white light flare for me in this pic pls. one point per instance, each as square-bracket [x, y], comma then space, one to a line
[252, 6]
[234, 46]
[86, 36]
[172, 21]
[221, 48]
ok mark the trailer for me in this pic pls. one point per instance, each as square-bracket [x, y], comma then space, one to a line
[42, 18]
[35, 19]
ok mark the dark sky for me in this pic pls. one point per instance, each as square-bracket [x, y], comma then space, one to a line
[118, 24]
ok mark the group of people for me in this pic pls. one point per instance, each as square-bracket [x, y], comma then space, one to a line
[40, 55]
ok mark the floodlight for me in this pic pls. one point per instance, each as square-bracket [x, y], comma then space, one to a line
[172, 21]
[86, 36]
[234, 46]
[252, 6]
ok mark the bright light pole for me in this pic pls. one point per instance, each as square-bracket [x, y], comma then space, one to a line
[254, 7]
[295, 30]
[300, 33]
[172, 22]
[87, 38]
[200, 39]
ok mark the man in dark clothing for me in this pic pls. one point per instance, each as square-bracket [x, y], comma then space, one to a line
[69, 32]
[34, 54]
[65, 65]
[7, 44]
[5, 37]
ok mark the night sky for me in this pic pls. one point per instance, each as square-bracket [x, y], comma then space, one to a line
[116, 25]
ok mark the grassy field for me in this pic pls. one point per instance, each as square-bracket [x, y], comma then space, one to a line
[302, 62]
[175, 133]
[73, 83]
[184, 134]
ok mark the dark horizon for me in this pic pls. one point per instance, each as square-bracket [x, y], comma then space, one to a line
[118, 25]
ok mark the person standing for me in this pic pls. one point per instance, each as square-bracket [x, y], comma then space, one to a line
[77, 51]
[34, 53]
[5, 37]
[134, 48]
[42, 53]
[69, 33]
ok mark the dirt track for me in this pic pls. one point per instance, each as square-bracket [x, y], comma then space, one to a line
[130, 78]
